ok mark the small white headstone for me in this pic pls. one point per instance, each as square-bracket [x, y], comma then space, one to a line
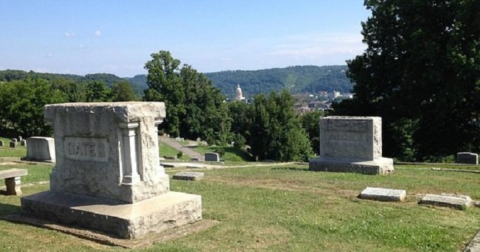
[383, 194]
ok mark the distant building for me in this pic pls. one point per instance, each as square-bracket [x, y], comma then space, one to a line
[239, 94]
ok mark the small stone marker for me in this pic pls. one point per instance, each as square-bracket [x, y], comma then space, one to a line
[467, 158]
[383, 194]
[20, 138]
[2, 143]
[193, 176]
[41, 149]
[212, 157]
[460, 202]
[13, 144]
[14, 140]
[23, 142]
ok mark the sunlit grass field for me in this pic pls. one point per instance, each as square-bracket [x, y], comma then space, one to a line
[289, 209]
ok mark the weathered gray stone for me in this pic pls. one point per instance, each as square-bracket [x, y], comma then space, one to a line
[383, 194]
[12, 180]
[13, 144]
[212, 157]
[107, 175]
[41, 149]
[123, 220]
[460, 202]
[14, 140]
[2, 143]
[351, 144]
[194, 176]
[23, 142]
[467, 158]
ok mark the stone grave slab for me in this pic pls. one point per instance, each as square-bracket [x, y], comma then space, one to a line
[212, 157]
[351, 144]
[2, 143]
[23, 142]
[460, 202]
[383, 194]
[13, 144]
[467, 158]
[107, 175]
[194, 176]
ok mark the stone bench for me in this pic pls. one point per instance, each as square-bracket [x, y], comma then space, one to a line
[12, 180]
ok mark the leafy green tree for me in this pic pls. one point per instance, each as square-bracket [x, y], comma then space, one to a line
[22, 103]
[97, 91]
[421, 74]
[164, 84]
[194, 107]
[122, 91]
[276, 132]
[311, 124]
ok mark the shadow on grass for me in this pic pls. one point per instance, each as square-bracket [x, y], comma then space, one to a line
[290, 169]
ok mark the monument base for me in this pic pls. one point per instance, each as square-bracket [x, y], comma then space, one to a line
[379, 166]
[123, 220]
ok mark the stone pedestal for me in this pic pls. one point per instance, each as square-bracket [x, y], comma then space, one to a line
[107, 174]
[351, 144]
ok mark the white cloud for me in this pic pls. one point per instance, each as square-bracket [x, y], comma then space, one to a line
[70, 34]
[98, 33]
[311, 46]
[49, 55]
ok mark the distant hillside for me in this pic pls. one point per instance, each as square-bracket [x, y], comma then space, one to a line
[296, 79]
[107, 79]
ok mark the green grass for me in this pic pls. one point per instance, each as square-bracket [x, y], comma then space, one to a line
[166, 150]
[230, 153]
[292, 209]
[6, 151]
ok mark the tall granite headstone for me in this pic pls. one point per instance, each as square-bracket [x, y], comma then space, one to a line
[107, 175]
[351, 144]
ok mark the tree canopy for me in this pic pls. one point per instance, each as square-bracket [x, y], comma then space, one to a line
[421, 74]
[194, 107]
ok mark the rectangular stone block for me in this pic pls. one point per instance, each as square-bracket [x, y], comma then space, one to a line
[212, 157]
[467, 158]
[123, 220]
[13, 144]
[41, 149]
[383, 194]
[107, 150]
[351, 144]
[351, 137]
[460, 202]
[188, 176]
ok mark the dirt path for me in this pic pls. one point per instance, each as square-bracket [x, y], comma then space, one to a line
[186, 150]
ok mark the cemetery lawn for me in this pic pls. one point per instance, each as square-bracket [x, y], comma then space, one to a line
[290, 209]
[6, 151]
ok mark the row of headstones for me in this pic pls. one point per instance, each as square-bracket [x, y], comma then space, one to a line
[460, 202]
[14, 142]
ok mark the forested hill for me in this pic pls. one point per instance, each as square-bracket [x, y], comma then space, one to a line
[296, 79]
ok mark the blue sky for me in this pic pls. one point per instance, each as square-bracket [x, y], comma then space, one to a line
[118, 36]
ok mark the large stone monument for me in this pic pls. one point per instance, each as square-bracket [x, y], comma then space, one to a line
[108, 176]
[351, 144]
